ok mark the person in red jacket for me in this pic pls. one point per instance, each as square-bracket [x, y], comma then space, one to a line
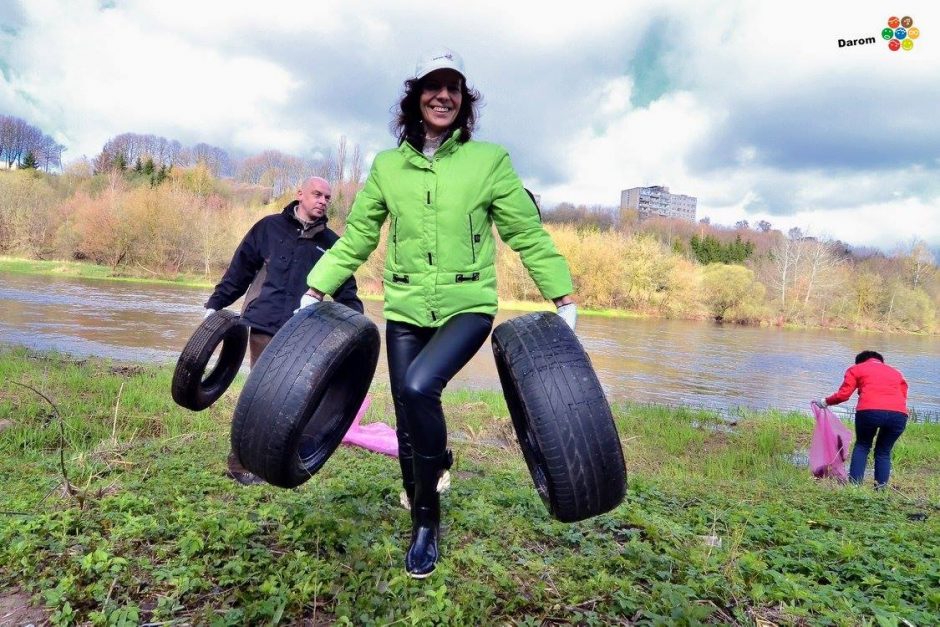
[881, 411]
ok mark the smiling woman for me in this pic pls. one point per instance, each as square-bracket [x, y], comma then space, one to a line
[443, 194]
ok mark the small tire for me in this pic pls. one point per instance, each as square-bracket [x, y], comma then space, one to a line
[192, 388]
[561, 416]
[302, 395]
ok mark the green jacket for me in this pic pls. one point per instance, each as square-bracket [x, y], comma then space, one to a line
[441, 251]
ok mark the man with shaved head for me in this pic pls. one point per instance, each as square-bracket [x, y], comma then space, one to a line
[271, 264]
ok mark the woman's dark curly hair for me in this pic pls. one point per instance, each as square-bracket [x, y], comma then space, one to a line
[866, 355]
[408, 124]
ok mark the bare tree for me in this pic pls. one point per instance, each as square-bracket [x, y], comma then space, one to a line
[785, 259]
[355, 165]
[341, 160]
[918, 262]
[273, 168]
[821, 263]
[215, 158]
[49, 154]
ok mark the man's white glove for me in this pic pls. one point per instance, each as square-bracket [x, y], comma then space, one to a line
[306, 300]
[821, 403]
[208, 313]
[569, 313]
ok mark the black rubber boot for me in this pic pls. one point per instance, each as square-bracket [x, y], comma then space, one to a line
[406, 461]
[239, 473]
[425, 514]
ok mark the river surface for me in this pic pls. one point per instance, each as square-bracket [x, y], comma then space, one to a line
[657, 361]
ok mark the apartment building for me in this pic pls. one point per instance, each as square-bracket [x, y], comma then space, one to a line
[657, 201]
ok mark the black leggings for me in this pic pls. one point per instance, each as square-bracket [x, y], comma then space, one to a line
[421, 362]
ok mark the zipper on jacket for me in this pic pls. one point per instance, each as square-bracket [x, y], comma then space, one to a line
[473, 248]
[430, 260]
[429, 197]
[395, 240]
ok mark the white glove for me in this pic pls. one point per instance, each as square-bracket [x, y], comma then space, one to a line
[306, 300]
[208, 313]
[569, 313]
[821, 403]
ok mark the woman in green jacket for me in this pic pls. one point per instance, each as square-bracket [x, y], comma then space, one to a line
[442, 193]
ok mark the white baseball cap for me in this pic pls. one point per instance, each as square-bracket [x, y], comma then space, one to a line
[439, 59]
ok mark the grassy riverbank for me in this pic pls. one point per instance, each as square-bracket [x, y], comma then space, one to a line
[154, 533]
[88, 270]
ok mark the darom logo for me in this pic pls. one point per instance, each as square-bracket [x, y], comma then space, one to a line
[900, 33]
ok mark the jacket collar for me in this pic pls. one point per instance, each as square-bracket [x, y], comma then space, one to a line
[308, 230]
[418, 158]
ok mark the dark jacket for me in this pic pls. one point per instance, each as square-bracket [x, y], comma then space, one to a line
[274, 259]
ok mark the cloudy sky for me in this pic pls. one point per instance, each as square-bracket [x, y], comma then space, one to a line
[750, 106]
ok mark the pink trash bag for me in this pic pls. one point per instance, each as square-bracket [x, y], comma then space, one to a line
[376, 436]
[829, 447]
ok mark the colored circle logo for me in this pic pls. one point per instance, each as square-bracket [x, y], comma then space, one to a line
[900, 33]
[887, 33]
[907, 21]
[907, 44]
[894, 44]
[913, 33]
[894, 22]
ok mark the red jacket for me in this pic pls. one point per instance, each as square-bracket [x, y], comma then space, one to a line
[879, 387]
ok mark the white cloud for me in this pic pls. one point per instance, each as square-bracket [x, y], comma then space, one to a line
[643, 146]
[110, 73]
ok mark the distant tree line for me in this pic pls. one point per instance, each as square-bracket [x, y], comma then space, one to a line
[274, 169]
[25, 145]
[153, 156]
[121, 151]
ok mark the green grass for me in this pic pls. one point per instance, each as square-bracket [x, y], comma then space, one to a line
[524, 305]
[87, 270]
[156, 534]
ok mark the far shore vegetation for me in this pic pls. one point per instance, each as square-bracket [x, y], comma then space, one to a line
[115, 511]
[134, 214]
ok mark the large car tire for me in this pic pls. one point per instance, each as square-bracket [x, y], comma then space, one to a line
[303, 393]
[561, 416]
[192, 388]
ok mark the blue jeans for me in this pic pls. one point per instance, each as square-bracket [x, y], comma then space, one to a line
[889, 425]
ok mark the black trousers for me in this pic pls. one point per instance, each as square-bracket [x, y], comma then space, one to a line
[421, 362]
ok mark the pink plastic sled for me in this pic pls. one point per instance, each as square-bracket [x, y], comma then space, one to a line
[376, 436]
[829, 447]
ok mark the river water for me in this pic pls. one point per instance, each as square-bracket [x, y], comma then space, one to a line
[658, 361]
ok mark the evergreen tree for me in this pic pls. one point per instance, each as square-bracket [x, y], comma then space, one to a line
[29, 161]
[149, 166]
[709, 250]
[120, 162]
[138, 166]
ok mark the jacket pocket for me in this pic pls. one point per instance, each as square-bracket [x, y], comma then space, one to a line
[395, 240]
[474, 240]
